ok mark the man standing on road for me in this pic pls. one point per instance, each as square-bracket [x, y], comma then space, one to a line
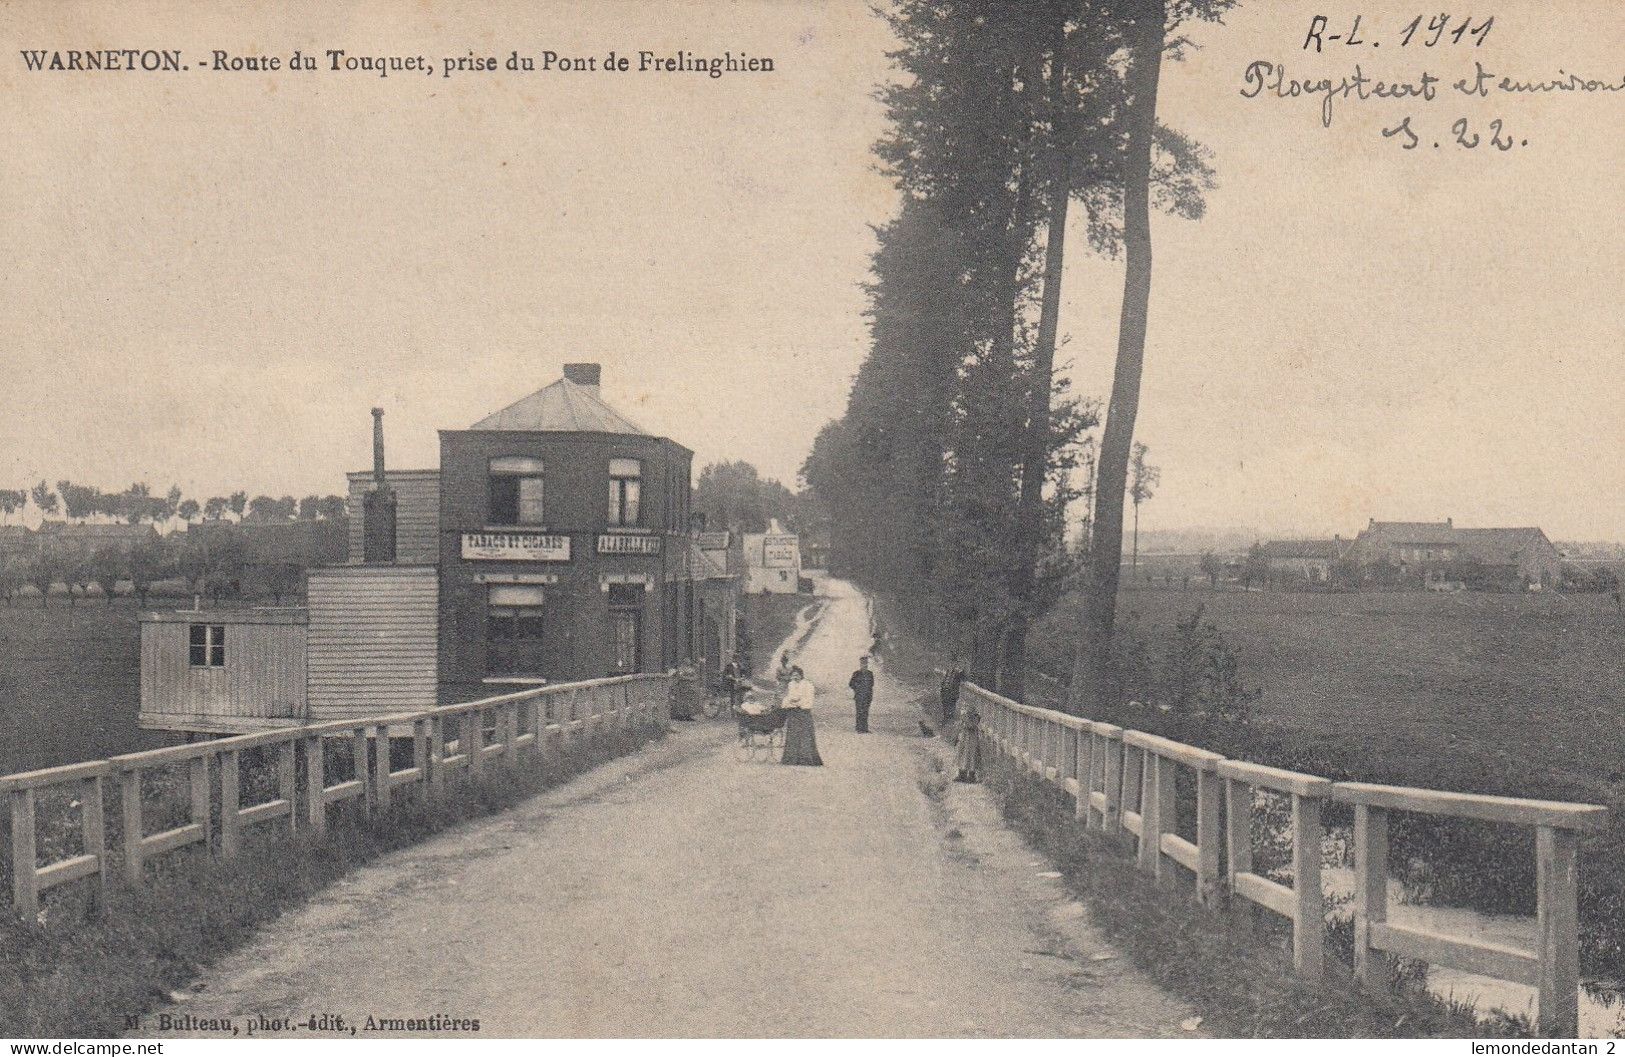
[733, 678]
[863, 692]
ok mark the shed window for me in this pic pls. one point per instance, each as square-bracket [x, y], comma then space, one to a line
[625, 491]
[516, 490]
[207, 646]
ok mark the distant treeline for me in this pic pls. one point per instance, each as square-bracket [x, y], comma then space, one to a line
[139, 503]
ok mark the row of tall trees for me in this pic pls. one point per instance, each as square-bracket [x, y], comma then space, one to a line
[138, 504]
[949, 475]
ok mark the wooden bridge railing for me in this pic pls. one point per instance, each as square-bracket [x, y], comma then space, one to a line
[1125, 781]
[530, 728]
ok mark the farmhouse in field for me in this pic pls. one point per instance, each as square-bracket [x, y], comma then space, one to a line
[1420, 552]
[1309, 560]
[552, 544]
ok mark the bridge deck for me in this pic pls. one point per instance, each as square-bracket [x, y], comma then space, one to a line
[683, 892]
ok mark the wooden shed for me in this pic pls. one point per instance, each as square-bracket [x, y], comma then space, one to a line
[373, 643]
[223, 671]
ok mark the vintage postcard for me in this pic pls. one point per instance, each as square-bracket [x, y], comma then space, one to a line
[908, 519]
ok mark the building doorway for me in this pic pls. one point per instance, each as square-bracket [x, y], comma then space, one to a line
[626, 628]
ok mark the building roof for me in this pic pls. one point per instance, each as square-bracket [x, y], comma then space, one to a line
[563, 407]
[1390, 532]
[1331, 550]
[1501, 546]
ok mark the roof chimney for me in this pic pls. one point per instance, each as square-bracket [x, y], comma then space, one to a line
[584, 374]
[378, 447]
[378, 506]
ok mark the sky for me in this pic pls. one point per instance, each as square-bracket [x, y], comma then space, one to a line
[212, 276]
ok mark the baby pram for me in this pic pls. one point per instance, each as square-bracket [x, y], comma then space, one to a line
[761, 727]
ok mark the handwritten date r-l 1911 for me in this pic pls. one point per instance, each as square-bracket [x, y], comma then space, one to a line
[1439, 29]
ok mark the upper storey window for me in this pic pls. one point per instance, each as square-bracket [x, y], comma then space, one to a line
[516, 490]
[625, 491]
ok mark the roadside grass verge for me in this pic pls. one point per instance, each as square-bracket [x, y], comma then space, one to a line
[1237, 978]
[83, 974]
[768, 620]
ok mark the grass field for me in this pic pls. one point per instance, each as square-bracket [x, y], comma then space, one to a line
[1502, 691]
[70, 683]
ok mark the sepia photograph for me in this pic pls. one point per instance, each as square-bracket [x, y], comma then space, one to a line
[811, 519]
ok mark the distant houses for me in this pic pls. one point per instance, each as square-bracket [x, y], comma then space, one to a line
[1312, 561]
[1420, 554]
[84, 539]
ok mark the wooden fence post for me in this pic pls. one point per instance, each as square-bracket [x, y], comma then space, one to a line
[474, 736]
[1557, 899]
[437, 755]
[380, 764]
[420, 757]
[1209, 830]
[287, 775]
[1309, 911]
[93, 829]
[1370, 892]
[198, 770]
[24, 858]
[1112, 770]
[1238, 799]
[230, 803]
[1152, 778]
[130, 810]
[358, 758]
[1167, 819]
[1133, 781]
[1074, 767]
[316, 783]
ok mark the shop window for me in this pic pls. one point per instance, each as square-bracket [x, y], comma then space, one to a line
[207, 646]
[625, 491]
[514, 629]
[516, 490]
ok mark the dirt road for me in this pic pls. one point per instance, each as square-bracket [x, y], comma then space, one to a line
[683, 892]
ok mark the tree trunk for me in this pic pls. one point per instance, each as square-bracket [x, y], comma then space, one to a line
[1035, 452]
[1135, 566]
[1092, 679]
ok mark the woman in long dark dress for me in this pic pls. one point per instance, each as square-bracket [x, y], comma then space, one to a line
[800, 744]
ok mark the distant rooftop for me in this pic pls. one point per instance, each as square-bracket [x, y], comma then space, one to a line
[1332, 549]
[96, 531]
[1413, 532]
[570, 405]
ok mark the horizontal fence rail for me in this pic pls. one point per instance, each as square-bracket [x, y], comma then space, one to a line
[1127, 782]
[342, 760]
